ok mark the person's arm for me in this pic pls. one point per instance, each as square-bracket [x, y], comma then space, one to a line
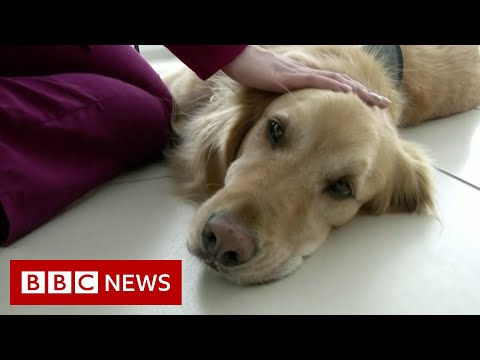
[258, 68]
[206, 60]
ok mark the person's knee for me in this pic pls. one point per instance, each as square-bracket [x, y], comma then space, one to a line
[125, 115]
[136, 117]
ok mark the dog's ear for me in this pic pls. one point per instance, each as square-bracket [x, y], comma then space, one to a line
[248, 106]
[253, 103]
[410, 187]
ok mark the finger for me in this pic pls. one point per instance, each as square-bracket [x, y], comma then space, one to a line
[373, 99]
[369, 97]
[355, 85]
[366, 94]
[302, 80]
[349, 79]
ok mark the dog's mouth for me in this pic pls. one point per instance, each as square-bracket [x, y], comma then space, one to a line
[212, 264]
[254, 274]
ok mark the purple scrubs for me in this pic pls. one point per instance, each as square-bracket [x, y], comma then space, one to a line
[74, 116]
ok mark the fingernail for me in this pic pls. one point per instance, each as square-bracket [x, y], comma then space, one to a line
[385, 99]
[381, 98]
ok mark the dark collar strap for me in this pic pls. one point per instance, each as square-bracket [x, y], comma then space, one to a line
[392, 58]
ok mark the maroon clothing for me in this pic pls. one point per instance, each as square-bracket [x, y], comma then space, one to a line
[205, 60]
[73, 117]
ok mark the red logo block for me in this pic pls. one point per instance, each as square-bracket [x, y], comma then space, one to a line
[95, 282]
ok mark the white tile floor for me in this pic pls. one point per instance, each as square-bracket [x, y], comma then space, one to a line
[397, 264]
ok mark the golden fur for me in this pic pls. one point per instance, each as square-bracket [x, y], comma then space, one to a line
[223, 158]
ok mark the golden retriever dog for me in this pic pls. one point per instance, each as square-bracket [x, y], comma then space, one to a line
[273, 174]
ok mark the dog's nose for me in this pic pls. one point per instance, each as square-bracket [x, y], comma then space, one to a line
[228, 241]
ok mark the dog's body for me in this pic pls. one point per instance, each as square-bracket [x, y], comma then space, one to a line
[275, 173]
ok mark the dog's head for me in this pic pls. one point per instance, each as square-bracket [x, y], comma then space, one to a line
[308, 163]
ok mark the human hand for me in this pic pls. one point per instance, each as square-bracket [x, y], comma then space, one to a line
[264, 70]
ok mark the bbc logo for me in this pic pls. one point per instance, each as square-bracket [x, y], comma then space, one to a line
[59, 282]
[95, 282]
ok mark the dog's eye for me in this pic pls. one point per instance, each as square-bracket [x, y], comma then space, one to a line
[275, 131]
[340, 189]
